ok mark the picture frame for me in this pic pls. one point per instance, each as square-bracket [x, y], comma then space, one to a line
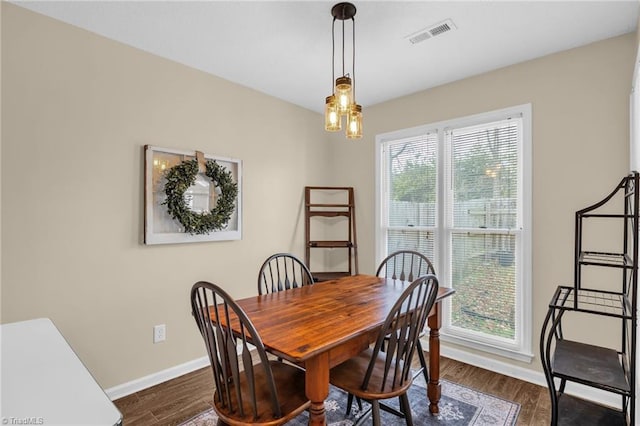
[159, 225]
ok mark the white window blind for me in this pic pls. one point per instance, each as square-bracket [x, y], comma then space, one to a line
[459, 192]
[483, 225]
[412, 191]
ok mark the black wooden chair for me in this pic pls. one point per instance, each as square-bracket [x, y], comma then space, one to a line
[282, 271]
[407, 265]
[249, 389]
[384, 371]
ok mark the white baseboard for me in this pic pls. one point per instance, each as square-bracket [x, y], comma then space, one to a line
[136, 385]
[526, 374]
[531, 376]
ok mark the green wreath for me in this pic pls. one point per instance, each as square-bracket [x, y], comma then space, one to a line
[181, 177]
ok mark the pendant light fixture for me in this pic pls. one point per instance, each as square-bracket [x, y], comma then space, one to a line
[342, 102]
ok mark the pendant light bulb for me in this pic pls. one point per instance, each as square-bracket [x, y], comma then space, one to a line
[354, 122]
[344, 94]
[332, 122]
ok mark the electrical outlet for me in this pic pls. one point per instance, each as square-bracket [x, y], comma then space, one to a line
[159, 333]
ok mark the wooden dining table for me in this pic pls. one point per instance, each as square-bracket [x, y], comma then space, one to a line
[321, 325]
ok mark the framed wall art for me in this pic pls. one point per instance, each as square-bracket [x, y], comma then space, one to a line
[191, 197]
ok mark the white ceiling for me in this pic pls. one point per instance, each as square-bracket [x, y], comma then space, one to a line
[284, 48]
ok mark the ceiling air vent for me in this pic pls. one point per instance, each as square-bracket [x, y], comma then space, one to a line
[432, 31]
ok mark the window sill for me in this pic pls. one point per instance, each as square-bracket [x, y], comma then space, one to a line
[518, 355]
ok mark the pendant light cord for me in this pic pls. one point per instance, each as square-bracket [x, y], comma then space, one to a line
[353, 60]
[343, 47]
[333, 53]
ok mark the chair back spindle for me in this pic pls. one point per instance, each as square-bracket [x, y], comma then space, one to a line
[282, 271]
[405, 265]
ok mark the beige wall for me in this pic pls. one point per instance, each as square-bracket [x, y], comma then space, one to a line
[77, 111]
[78, 108]
[580, 103]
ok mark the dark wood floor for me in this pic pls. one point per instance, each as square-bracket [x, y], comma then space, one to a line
[177, 400]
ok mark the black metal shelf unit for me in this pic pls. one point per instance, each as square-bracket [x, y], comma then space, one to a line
[611, 369]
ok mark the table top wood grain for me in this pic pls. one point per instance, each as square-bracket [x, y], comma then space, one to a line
[298, 323]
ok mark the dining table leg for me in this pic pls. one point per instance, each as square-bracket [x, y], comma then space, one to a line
[434, 323]
[317, 387]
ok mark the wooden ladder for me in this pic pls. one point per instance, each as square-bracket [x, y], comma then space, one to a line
[342, 209]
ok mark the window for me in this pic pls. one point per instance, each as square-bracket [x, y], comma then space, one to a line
[460, 193]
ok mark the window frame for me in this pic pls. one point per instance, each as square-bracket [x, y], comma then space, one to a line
[521, 348]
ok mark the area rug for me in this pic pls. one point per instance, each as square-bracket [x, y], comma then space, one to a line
[459, 406]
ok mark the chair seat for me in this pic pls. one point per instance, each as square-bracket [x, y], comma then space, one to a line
[290, 385]
[349, 374]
